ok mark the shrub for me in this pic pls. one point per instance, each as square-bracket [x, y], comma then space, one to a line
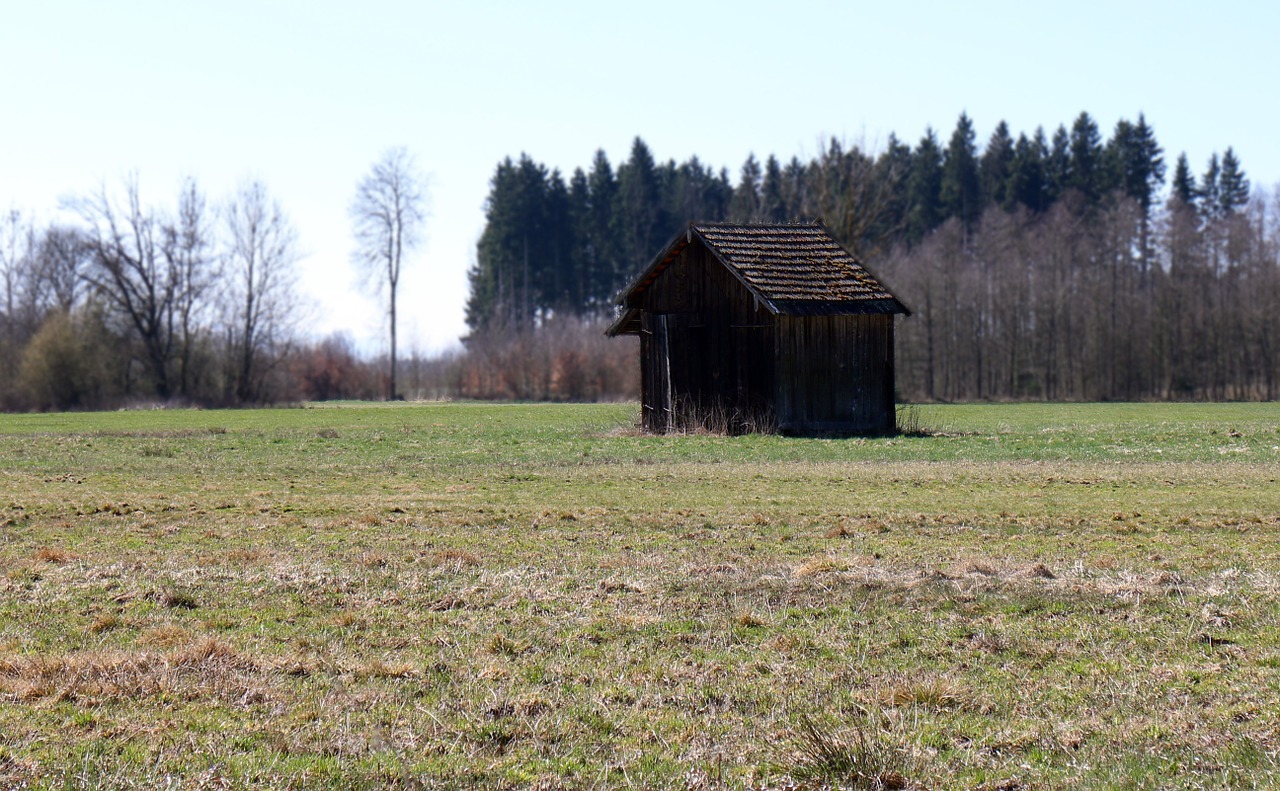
[69, 362]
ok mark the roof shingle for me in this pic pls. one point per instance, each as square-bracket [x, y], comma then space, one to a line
[796, 269]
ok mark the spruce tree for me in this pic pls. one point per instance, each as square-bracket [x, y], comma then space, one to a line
[684, 192]
[490, 276]
[669, 184]
[580, 258]
[960, 190]
[746, 196]
[996, 165]
[1135, 168]
[795, 189]
[1233, 187]
[606, 272]
[719, 194]
[534, 272]
[1183, 189]
[1118, 153]
[924, 188]
[892, 173]
[773, 203]
[1149, 167]
[557, 281]
[1058, 164]
[1209, 193]
[1135, 162]
[639, 220]
[1086, 172]
[1028, 182]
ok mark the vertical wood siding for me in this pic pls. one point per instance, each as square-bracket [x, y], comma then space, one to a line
[711, 354]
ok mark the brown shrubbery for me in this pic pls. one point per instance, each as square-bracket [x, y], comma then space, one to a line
[75, 361]
[563, 360]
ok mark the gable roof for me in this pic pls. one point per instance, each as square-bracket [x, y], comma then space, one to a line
[793, 269]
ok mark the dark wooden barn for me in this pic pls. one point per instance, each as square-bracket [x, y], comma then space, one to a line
[750, 327]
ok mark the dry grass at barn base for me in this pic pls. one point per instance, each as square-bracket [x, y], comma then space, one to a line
[486, 596]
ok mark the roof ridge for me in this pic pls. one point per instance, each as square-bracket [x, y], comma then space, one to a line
[788, 263]
[756, 225]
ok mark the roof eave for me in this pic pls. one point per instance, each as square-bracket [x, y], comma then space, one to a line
[847, 307]
[656, 267]
[623, 325]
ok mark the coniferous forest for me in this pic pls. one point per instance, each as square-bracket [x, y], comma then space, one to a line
[1063, 266]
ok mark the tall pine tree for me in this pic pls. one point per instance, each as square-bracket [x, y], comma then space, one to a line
[795, 189]
[773, 201]
[746, 196]
[1136, 161]
[924, 188]
[961, 192]
[581, 262]
[1233, 187]
[1086, 172]
[893, 173]
[1028, 182]
[639, 220]
[607, 270]
[1058, 164]
[1183, 190]
[995, 167]
[1209, 193]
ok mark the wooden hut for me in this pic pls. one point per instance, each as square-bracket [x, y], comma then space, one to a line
[760, 327]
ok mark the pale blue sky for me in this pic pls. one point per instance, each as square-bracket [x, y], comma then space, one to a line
[305, 95]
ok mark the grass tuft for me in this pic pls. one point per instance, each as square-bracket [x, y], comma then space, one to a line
[105, 623]
[823, 564]
[165, 636]
[176, 599]
[55, 555]
[934, 692]
[860, 756]
[455, 559]
[499, 643]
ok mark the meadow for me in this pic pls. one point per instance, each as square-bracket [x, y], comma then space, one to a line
[512, 596]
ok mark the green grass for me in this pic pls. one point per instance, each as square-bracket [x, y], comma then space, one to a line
[483, 595]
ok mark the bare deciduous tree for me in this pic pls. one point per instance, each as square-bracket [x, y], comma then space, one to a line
[15, 244]
[154, 272]
[261, 294]
[387, 215]
[60, 260]
[192, 270]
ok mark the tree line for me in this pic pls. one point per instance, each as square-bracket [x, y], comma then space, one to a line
[1105, 303]
[130, 300]
[189, 301]
[1037, 266]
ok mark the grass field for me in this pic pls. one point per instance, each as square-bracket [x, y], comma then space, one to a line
[467, 595]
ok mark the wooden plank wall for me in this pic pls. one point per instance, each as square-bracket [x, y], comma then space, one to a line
[719, 343]
[835, 373]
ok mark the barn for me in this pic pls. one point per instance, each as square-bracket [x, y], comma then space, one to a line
[761, 327]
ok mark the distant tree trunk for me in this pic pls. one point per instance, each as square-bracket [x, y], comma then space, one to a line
[388, 213]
